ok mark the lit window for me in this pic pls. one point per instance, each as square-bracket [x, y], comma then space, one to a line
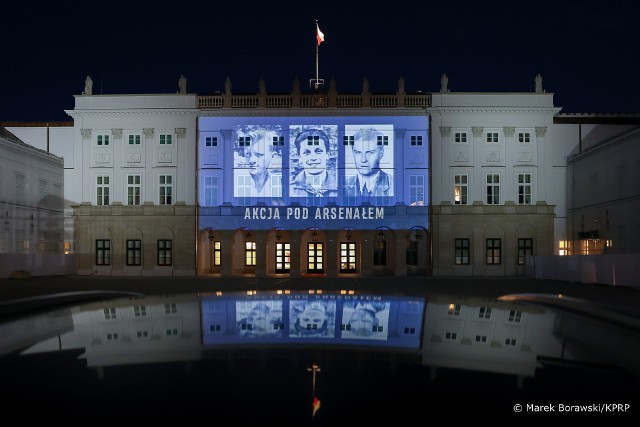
[250, 253]
[460, 189]
[564, 247]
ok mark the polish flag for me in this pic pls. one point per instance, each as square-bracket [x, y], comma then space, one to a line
[316, 405]
[319, 35]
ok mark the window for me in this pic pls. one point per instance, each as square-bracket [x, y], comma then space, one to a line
[564, 247]
[217, 253]
[481, 338]
[103, 140]
[211, 141]
[484, 313]
[493, 189]
[44, 188]
[171, 308]
[19, 188]
[416, 190]
[244, 141]
[166, 139]
[103, 252]
[210, 190]
[384, 140]
[492, 137]
[134, 139]
[348, 140]
[493, 251]
[347, 257]
[525, 247]
[166, 189]
[450, 335]
[380, 250]
[415, 140]
[134, 252]
[460, 137]
[244, 186]
[515, 316]
[462, 251]
[164, 252]
[102, 190]
[139, 310]
[250, 253]
[524, 188]
[278, 141]
[524, 137]
[460, 189]
[133, 189]
[510, 341]
[412, 253]
[110, 313]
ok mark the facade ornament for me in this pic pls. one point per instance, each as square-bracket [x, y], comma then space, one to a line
[181, 132]
[401, 86]
[444, 83]
[477, 131]
[539, 84]
[365, 87]
[86, 133]
[509, 131]
[88, 86]
[117, 133]
[227, 86]
[445, 131]
[541, 132]
[148, 132]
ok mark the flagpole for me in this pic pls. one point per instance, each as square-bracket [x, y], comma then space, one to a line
[317, 48]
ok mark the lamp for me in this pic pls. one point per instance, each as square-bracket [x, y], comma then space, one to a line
[348, 234]
[380, 237]
[249, 236]
[210, 232]
[278, 235]
[314, 236]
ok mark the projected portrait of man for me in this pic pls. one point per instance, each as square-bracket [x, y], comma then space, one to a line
[314, 319]
[365, 320]
[258, 158]
[368, 150]
[314, 177]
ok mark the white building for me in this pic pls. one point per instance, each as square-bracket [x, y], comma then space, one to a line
[498, 181]
[31, 207]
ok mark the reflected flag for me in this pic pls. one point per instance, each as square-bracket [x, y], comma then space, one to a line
[316, 405]
[319, 35]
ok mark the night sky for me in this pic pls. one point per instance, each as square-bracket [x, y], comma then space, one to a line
[587, 52]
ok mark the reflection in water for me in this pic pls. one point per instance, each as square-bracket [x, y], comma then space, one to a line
[229, 341]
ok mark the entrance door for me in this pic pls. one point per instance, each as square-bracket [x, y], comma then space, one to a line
[347, 257]
[315, 256]
[283, 257]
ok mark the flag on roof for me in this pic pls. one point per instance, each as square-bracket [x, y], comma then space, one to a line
[319, 35]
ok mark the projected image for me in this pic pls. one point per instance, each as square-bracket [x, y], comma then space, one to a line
[257, 161]
[368, 160]
[312, 318]
[368, 320]
[313, 161]
[259, 318]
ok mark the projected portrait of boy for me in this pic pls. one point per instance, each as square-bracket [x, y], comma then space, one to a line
[312, 319]
[264, 318]
[258, 164]
[314, 173]
[367, 152]
[365, 320]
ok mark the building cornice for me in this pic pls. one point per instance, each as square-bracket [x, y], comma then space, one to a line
[481, 109]
[305, 112]
[136, 112]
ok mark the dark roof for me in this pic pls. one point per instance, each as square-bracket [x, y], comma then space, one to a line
[598, 118]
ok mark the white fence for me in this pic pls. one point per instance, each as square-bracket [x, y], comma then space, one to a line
[606, 269]
[36, 265]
